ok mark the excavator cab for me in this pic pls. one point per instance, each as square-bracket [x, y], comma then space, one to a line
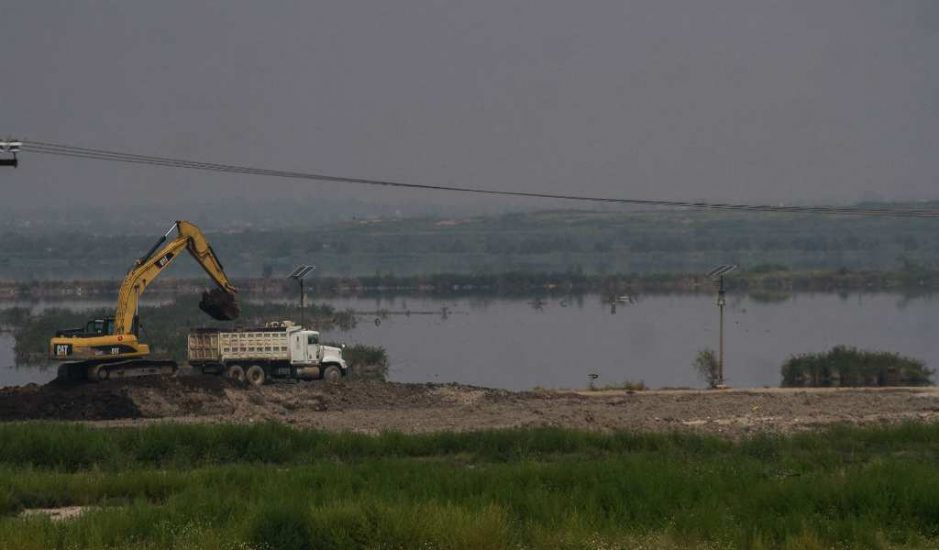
[93, 328]
[96, 327]
[100, 326]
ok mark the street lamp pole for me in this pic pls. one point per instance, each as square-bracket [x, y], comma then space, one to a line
[298, 274]
[717, 274]
[721, 301]
[302, 307]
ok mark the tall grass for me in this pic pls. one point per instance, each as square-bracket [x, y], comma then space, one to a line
[276, 487]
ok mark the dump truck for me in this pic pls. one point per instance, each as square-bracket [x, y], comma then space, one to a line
[280, 349]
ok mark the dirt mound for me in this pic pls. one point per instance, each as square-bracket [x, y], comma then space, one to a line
[56, 402]
[131, 398]
[162, 397]
[222, 398]
[372, 406]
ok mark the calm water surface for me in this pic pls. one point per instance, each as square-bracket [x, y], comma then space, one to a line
[11, 375]
[520, 344]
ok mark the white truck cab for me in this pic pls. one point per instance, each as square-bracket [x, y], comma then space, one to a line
[306, 350]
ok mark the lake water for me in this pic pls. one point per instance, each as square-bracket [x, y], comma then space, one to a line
[11, 375]
[520, 344]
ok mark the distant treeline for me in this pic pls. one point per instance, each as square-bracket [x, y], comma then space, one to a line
[594, 243]
[761, 280]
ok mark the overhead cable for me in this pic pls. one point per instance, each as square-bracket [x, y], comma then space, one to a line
[115, 156]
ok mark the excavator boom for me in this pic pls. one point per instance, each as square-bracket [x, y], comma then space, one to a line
[219, 303]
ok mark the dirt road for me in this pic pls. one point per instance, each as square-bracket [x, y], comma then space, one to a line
[374, 406]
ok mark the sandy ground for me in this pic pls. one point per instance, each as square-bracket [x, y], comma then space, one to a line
[372, 407]
[57, 514]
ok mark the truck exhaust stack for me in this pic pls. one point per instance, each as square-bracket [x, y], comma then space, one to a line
[220, 305]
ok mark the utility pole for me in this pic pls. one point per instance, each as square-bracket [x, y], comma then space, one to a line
[721, 301]
[298, 274]
[717, 274]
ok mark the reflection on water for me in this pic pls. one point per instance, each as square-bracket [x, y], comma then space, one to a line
[11, 375]
[558, 341]
[39, 306]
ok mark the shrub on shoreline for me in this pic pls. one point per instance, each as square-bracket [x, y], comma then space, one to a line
[850, 367]
[368, 362]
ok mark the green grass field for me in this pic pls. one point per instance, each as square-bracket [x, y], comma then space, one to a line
[271, 486]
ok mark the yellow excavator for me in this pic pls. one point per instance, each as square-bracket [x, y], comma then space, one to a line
[108, 348]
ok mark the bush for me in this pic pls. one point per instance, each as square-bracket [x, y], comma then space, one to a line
[708, 367]
[365, 361]
[850, 367]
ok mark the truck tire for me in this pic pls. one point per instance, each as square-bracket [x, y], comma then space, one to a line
[235, 372]
[256, 375]
[332, 374]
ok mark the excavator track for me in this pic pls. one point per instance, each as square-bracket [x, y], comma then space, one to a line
[90, 371]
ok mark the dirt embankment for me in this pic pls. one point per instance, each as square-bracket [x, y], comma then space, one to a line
[374, 406]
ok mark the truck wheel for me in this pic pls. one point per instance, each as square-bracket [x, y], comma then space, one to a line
[256, 375]
[235, 372]
[332, 374]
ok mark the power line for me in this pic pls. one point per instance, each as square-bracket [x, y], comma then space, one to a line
[115, 156]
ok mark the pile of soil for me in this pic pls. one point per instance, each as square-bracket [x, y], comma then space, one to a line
[58, 402]
[374, 406]
[215, 396]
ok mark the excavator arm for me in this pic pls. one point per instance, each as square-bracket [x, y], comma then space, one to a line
[219, 303]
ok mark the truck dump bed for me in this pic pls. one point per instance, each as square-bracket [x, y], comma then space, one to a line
[216, 346]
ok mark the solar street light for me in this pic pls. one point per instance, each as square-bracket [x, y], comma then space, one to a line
[717, 275]
[298, 274]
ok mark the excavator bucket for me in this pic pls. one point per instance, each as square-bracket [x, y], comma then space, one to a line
[220, 305]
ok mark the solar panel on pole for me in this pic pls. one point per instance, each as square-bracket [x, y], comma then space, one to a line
[720, 271]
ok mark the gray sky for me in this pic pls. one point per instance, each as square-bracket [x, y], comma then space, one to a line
[795, 101]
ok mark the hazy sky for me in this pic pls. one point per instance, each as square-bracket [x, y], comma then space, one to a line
[795, 101]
